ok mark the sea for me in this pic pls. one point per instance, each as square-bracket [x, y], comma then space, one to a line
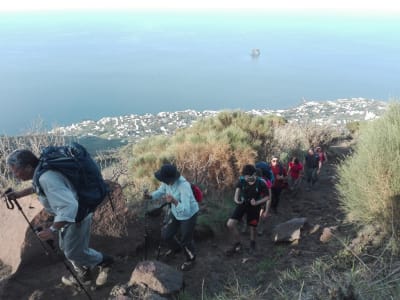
[58, 68]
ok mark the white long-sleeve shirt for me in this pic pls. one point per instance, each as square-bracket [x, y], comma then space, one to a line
[60, 198]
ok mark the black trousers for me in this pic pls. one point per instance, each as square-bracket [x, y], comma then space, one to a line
[186, 230]
[276, 196]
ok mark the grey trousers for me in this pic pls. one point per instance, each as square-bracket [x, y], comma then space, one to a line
[74, 242]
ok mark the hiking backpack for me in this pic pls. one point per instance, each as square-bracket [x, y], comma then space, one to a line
[197, 192]
[245, 186]
[76, 164]
[266, 170]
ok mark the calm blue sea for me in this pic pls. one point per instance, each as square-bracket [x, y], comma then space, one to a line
[66, 67]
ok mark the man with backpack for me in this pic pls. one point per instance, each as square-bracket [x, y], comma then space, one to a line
[177, 191]
[60, 199]
[250, 194]
[312, 168]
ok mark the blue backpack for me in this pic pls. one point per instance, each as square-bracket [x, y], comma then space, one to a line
[266, 170]
[76, 164]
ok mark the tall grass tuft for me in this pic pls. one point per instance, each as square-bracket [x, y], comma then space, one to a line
[369, 180]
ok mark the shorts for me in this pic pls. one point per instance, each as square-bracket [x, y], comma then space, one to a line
[252, 213]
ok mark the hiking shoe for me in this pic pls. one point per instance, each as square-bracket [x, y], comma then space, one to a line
[84, 277]
[104, 269]
[102, 276]
[187, 265]
[234, 249]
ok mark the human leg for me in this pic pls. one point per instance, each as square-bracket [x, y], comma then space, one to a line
[74, 241]
[168, 234]
[187, 229]
[253, 215]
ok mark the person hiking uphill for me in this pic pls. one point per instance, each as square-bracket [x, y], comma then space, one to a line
[280, 175]
[59, 198]
[294, 174]
[312, 168]
[176, 190]
[250, 193]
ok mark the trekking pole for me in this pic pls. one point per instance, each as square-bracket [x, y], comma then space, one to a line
[10, 205]
[146, 232]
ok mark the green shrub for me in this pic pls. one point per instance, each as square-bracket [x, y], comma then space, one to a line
[210, 153]
[369, 180]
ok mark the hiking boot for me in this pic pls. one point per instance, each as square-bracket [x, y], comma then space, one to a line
[84, 277]
[234, 249]
[187, 265]
[104, 269]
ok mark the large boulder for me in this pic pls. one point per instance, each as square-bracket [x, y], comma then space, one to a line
[158, 277]
[289, 231]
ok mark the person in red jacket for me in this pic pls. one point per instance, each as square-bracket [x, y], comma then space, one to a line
[295, 173]
[280, 175]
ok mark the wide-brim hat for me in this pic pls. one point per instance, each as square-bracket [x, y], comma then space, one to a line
[167, 174]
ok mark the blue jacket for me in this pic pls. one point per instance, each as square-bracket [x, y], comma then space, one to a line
[182, 192]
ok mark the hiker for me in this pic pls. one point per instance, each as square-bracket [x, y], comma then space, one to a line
[312, 168]
[59, 198]
[176, 190]
[250, 194]
[323, 158]
[264, 172]
[280, 175]
[295, 174]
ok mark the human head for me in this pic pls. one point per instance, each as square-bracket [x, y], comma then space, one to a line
[318, 149]
[310, 151]
[249, 173]
[22, 163]
[295, 160]
[274, 160]
[167, 174]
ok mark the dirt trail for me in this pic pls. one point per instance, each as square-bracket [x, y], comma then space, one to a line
[213, 269]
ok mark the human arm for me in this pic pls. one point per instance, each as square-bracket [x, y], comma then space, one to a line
[236, 198]
[268, 205]
[319, 166]
[13, 195]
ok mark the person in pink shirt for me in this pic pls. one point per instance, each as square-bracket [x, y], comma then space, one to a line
[295, 173]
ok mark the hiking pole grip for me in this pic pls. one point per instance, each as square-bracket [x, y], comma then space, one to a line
[8, 201]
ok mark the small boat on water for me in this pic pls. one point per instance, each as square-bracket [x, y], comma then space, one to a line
[255, 52]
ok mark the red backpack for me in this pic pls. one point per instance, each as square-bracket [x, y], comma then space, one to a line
[197, 193]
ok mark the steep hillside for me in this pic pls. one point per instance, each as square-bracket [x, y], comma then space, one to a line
[215, 274]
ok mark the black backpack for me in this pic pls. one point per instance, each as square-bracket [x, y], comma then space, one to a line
[245, 187]
[76, 164]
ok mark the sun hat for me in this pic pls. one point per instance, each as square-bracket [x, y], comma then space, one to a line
[167, 174]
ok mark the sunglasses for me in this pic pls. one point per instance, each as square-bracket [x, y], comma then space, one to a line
[274, 160]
